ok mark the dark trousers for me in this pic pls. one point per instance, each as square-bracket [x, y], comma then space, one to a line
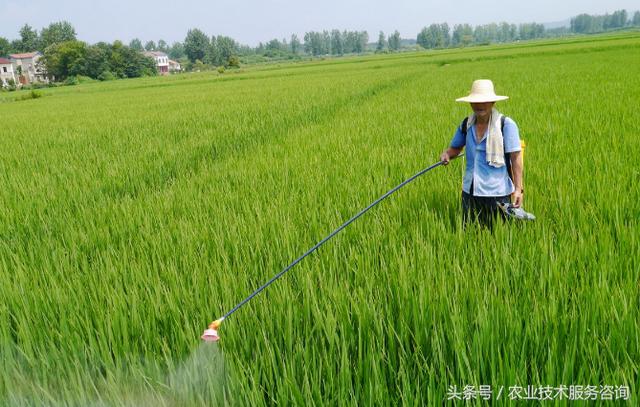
[482, 209]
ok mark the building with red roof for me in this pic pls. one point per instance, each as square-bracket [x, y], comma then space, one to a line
[27, 68]
[7, 73]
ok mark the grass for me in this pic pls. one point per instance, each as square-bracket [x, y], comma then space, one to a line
[134, 212]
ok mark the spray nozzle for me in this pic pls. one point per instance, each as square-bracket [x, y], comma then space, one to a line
[211, 334]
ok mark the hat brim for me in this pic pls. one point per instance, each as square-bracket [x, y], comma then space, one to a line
[482, 98]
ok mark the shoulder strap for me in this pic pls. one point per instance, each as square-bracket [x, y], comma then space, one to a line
[507, 156]
[463, 126]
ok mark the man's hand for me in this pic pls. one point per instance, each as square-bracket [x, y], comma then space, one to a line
[444, 157]
[517, 197]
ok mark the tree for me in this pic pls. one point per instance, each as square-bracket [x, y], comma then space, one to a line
[313, 43]
[294, 44]
[394, 41]
[196, 44]
[28, 39]
[212, 56]
[337, 45]
[349, 38]
[125, 62]
[363, 39]
[619, 19]
[96, 60]
[273, 48]
[460, 31]
[444, 39]
[176, 51]
[530, 31]
[163, 46]
[150, 46]
[227, 47]
[56, 33]
[5, 46]
[586, 24]
[437, 35]
[382, 42]
[505, 33]
[636, 18]
[64, 59]
[136, 44]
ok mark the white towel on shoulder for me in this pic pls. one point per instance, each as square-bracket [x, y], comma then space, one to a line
[495, 140]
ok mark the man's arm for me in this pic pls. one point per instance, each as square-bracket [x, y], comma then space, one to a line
[449, 153]
[517, 165]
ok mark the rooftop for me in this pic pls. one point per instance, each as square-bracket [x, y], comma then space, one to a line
[154, 54]
[24, 55]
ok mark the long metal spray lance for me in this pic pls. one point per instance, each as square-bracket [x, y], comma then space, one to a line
[211, 334]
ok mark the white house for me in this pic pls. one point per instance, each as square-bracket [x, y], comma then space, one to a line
[6, 72]
[174, 66]
[162, 61]
[26, 67]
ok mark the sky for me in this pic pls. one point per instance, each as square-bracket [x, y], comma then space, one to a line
[253, 21]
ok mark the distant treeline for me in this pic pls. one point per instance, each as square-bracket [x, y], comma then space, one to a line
[586, 24]
[64, 56]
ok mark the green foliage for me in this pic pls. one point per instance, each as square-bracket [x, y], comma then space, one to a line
[176, 51]
[57, 33]
[28, 41]
[106, 76]
[437, 35]
[587, 24]
[462, 36]
[226, 48]
[62, 60]
[196, 44]
[74, 58]
[530, 31]
[11, 85]
[234, 62]
[382, 42]
[71, 81]
[394, 40]
[136, 44]
[32, 94]
[163, 46]
[335, 43]
[5, 47]
[295, 44]
[150, 46]
[200, 66]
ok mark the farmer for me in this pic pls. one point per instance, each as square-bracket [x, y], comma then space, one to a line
[494, 163]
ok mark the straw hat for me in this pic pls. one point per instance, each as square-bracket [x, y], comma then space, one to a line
[482, 91]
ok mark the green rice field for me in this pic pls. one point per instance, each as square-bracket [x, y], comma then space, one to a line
[134, 212]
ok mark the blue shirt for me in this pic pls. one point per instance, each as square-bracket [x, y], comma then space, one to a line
[487, 180]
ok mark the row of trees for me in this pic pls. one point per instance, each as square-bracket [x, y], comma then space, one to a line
[30, 40]
[100, 61]
[219, 51]
[335, 42]
[392, 43]
[586, 23]
[440, 35]
[65, 56]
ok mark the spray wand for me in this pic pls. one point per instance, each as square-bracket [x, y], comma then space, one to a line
[211, 333]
